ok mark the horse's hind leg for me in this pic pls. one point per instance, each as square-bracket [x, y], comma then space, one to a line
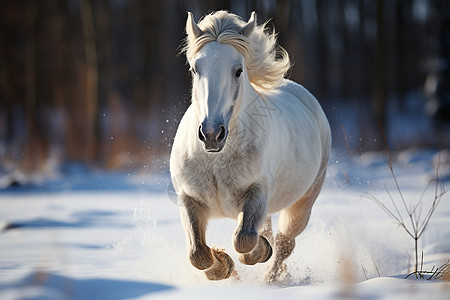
[266, 230]
[216, 264]
[292, 221]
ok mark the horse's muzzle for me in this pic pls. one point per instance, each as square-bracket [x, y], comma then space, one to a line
[213, 138]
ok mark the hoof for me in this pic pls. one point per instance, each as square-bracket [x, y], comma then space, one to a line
[201, 257]
[261, 253]
[245, 241]
[222, 267]
[275, 274]
[235, 276]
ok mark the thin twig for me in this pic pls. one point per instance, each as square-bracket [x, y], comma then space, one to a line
[376, 267]
[389, 213]
[393, 203]
[421, 263]
[388, 151]
[364, 271]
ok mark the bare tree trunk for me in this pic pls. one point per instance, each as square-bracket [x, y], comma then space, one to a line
[322, 59]
[379, 81]
[400, 50]
[6, 106]
[345, 86]
[91, 100]
[36, 146]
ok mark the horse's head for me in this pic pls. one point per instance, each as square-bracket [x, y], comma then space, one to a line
[218, 72]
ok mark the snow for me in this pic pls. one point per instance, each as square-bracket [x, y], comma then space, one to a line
[98, 235]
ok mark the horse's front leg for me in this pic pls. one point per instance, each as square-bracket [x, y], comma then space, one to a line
[216, 264]
[252, 247]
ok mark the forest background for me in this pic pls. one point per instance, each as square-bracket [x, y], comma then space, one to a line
[102, 81]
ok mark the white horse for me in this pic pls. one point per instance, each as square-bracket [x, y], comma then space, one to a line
[251, 144]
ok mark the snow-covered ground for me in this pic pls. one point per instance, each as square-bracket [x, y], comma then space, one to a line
[95, 235]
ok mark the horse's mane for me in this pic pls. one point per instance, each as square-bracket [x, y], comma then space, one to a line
[265, 61]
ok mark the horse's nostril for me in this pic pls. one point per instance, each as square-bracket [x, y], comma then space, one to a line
[222, 134]
[201, 136]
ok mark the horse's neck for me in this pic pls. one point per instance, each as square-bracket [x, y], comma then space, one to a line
[249, 97]
[244, 126]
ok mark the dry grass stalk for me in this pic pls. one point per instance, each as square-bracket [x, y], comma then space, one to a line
[417, 224]
[442, 272]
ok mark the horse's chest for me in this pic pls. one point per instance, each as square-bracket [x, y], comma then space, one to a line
[230, 175]
[230, 188]
[220, 184]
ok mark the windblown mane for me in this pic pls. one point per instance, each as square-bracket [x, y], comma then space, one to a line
[265, 61]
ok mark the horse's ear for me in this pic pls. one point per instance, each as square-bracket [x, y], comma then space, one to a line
[250, 25]
[192, 28]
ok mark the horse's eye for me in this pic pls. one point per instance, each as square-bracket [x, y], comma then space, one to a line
[238, 73]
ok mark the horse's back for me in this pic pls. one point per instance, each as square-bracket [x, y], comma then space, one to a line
[304, 149]
[300, 99]
[306, 99]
